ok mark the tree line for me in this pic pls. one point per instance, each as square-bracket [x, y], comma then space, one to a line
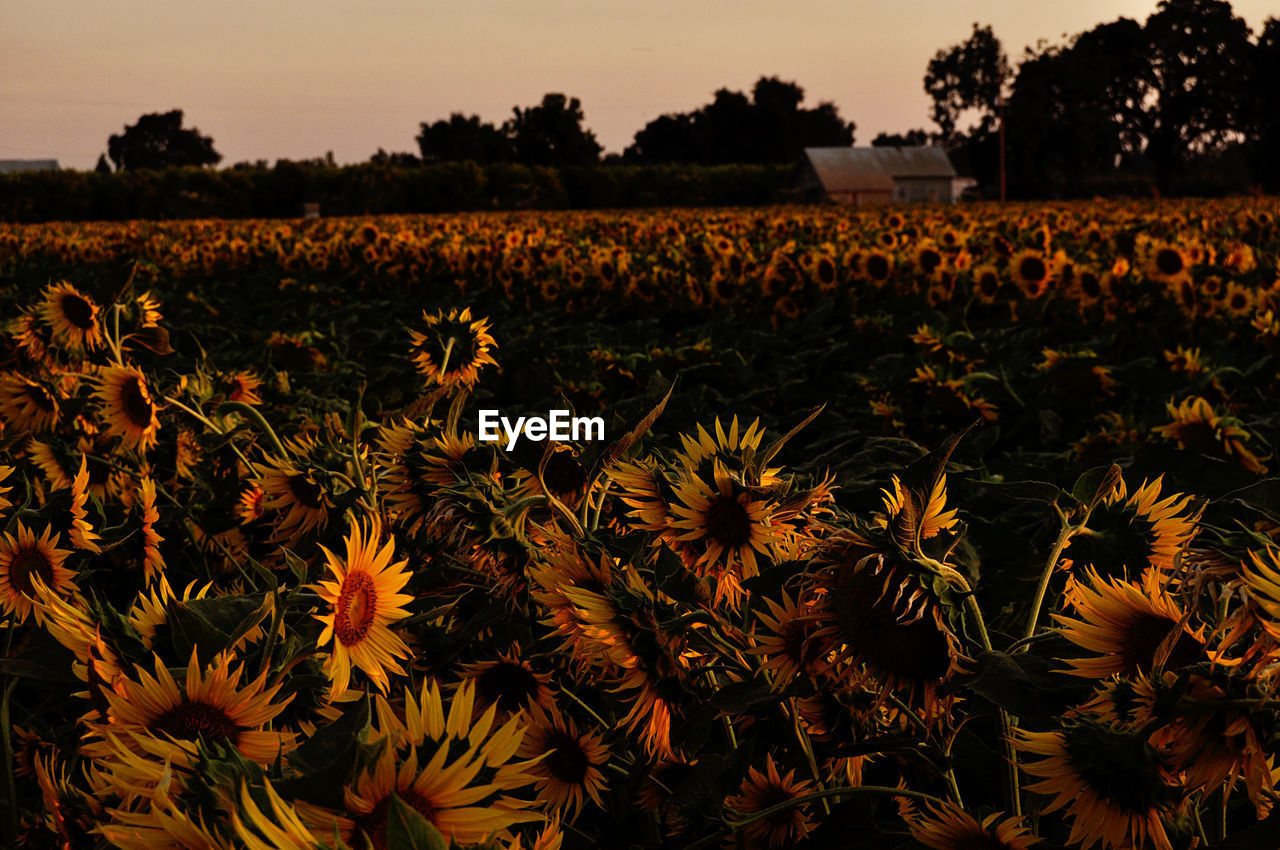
[1185, 100]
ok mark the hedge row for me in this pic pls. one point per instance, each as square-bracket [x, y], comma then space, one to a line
[282, 191]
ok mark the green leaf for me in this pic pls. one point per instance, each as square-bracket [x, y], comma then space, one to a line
[1094, 485]
[407, 829]
[326, 759]
[1024, 491]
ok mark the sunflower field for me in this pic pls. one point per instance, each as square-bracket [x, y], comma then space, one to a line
[911, 527]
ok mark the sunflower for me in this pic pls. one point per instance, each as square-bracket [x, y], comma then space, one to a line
[1168, 264]
[721, 529]
[456, 770]
[152, 560]
[510, 683]
[1130, 626]
[454, 349]
[364, 600]
[128, 407]
[1111, 783]
[569, 770]
[292, 489]
[946, 826]
[785, 643]
[82, 534]
[1129, 532]
[874, 611]
[24, 557]
[763, 789]
[277, 826]
[1032, 272]
[877, 266]
[72, 316]
[26, 404]
[154, 721]
[1197, 426]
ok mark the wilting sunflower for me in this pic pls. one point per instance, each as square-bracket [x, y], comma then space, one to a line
[25, 556]
[26, 404]
[292, 490]
[1127, 624]
[454, 348]
[1111, 783]
[128, 407]
[570, 771]
[82, 534]
[72, 316]
[1197, 426]
[763, 789]
[364, 600]
[876, 612]
[949, 827]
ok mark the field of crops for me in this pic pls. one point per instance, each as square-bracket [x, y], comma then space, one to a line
[910, 527]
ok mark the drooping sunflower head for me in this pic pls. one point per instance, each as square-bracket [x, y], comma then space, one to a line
[763, 789]
[128, 406]
[949, 827]
[73, 317]
[877, 613]
[1111, 783]
[1126, 533]
[27, 404]
[1196, 425]
[453, 348]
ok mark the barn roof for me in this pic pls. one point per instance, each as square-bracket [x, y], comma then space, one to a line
[849, 169]
[13, 166]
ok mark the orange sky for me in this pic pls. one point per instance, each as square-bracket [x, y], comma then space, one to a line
[286, 79]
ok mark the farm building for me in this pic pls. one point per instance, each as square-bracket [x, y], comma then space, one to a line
[876, 175]
[15, 166]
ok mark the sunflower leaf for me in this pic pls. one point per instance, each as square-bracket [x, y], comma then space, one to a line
[619, 448]
[407, 829]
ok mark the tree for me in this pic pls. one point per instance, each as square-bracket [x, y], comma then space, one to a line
[159, 140]
[463, 138]
[103, 167]
[769, 127]
[909, 139]
[1199, 53]
[1265, 105]
[552, 133]
[965, 76]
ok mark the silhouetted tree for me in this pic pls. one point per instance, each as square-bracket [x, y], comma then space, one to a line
[770, 126]
[965, 76]
[398, 158]
[1199, 53]
[552, 133]
[911, 138]
[1265, 104]
[103, 167]
[159, 140]
[463, 138]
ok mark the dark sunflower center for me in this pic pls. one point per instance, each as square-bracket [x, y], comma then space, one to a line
[508, 684]
[929, 260]
[1121, 768]
[988, 283]
[1238, 301]
[1118, 542]
[1090, 285]
[305, 491]
[563, 473]
[1033, 269]
[1143, 636]
[568, 762]
[826, 270]
[728, 522]
[357, 604]
[77, 311]
[877, 267]
[40, 397]
[136, 402]
[26, 563]
[189, 721]
[907, 643]
[1169, 261]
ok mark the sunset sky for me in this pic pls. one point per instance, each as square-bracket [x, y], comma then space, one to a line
[286, 79]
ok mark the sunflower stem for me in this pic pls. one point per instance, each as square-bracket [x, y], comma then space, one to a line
[1065, 532]
[258, 419]
[444, 361]
[588, 709]
[807, 746]
[204, 420]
